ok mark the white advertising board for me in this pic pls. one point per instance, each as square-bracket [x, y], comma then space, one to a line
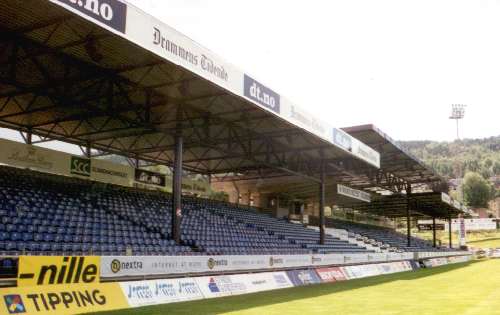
[34, 157]
[123, 266]
[141, 293]
[353, 193]
[116, 266]
[216, 286]
[470, 224]
[263, 281]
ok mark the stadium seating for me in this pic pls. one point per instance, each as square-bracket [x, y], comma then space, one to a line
[49, 214]
[384, 236]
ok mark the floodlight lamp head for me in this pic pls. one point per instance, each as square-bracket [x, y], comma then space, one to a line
[457, 111]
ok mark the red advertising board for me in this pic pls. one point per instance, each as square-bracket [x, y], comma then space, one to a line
[331, 274]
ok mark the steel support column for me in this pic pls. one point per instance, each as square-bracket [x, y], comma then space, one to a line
[88, 151]
[177, 190]
[29, 137]
[408, 216]
[433, 232]
[449, 232]
[322, 207]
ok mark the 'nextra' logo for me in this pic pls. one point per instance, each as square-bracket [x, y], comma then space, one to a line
[110, 12]
[261, 94]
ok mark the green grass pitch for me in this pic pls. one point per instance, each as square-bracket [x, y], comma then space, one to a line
[466, 288]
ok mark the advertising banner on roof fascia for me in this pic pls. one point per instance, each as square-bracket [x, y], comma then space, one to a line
[261, 94]
[109, 13]
[303, 277]
[350, 144]
[155, 36]
[365, 153]
[142, 293]
[302, 118]
[445, 198]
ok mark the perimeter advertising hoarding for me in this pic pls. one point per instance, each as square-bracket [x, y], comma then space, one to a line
[217, 286]
[331, 274]
[62, 299]
[115, 266]
[164, 41]
[141, 293]
[303, 277]
[264, 281]
[51, 270]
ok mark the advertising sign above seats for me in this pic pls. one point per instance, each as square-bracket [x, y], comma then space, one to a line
[61, 163]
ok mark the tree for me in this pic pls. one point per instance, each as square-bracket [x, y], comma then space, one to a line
[476, 190]
[496, 168]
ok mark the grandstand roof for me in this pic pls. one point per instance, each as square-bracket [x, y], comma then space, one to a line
[430, 204]
[118, 80]
[115, 78]
[395, 160]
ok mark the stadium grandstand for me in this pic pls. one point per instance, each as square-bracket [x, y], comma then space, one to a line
[109, 78]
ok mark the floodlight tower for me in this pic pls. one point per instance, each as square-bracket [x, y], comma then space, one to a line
[457, 113]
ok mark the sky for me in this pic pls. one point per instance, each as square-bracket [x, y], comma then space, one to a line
[397, 64]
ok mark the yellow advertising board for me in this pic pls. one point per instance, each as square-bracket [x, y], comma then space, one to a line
[51, 270]
[62, 299]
